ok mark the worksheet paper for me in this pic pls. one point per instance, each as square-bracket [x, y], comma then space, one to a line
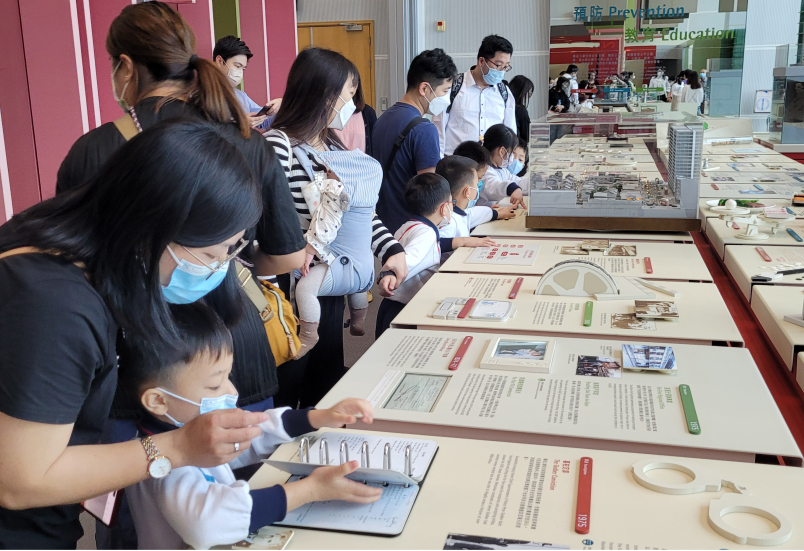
[386, 516]
[510, 254]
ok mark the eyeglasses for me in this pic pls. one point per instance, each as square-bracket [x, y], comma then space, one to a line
[233, 252]
[497, 64]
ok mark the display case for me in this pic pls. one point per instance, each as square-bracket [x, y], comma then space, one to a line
[787, 105]
[594, 172]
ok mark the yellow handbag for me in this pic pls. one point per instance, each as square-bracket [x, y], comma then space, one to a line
[276, 314]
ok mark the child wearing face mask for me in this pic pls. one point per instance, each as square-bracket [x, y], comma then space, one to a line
[501, 179]
[428, 199]
[202, 507]
[462, 175]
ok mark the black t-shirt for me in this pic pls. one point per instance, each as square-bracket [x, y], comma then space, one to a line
[58, 366]
[522, 122]
[278, 232]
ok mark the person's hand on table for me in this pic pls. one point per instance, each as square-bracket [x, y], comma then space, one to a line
[517, 199]
[341, 414]
[504, 213]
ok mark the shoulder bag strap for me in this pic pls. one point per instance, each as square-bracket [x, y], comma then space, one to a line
[398, 142]
[20, 250]
[503, 89]
[453, 93]
[254, 293]
[125, 125]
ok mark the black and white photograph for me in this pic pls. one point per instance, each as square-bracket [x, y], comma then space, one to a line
[599, 366]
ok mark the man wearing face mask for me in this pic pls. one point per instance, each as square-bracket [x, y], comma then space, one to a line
[232, 55]
[479, 99]
[406, 143]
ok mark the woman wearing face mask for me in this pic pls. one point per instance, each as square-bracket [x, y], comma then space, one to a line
[558, 97]
[358, 131]
[501, 180]
[151, 228]
[318, 99]
[156, 76]
[522, 88]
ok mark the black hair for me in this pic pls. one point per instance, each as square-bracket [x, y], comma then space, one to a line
[315, 81]
[424, 193]
[201, 332]
[492, 44]
[583, 84]
[474, 151]
[571, 69]
[180, 182]
[458, 171]
[522, 144]
[230, 46]
[499, 135]
[522, 87]
[434, 67]
[693, 80]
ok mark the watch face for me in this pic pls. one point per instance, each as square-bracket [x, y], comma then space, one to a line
[159, 467]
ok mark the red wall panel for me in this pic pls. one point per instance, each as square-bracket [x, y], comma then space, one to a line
[102, 13]
[15, 109]
[280, 25]
[199, 16]
[253, 33]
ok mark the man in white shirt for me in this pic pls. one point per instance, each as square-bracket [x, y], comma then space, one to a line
[572, 74]
[479, 98]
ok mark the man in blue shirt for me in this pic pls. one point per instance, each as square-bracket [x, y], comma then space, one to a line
[429, 82]
[232, 55]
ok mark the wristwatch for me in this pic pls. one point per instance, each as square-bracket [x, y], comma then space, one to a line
[385, 273]
[159, 466]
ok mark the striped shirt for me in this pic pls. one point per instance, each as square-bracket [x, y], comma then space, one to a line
[383, 244]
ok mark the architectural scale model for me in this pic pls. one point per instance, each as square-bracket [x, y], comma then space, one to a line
[619, 200]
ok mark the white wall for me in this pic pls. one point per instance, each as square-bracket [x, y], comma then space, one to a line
[524, 22]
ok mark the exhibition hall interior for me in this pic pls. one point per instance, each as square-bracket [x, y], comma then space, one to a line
[402, 274]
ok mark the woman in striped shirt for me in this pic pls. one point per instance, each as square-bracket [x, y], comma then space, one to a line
[317, 100]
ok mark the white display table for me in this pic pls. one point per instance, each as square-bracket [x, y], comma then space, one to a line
[703, 316]
[770, 305]
[527, 492]
[669, 261]
[638, 412]
[743, 262]
[720, 235]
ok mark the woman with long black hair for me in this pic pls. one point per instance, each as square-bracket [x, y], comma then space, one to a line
[522, 88]
[158, 223]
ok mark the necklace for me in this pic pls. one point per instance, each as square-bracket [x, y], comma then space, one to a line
[136, 120]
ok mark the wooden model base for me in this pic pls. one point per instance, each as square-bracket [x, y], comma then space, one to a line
[609, 224]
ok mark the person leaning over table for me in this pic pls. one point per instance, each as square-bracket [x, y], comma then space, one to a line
[157, 76]
[317, 101]
[151, 228]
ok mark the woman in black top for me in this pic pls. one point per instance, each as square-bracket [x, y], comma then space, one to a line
[108, 255]
[522, 88]
[558, 98]
[157, 73]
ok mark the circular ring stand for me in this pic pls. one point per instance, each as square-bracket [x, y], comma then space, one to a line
[576, 278]
[724, 210]
[757, 237]
[702, 479]
[738, 503]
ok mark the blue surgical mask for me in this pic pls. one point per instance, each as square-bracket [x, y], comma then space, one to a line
[515, 166]
[191, 282]
[227, 401]
[473, 202]
[494, 76]
[479, 187]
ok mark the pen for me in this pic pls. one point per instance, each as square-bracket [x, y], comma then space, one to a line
[584, 501]
[587, 314]
[456, 360]
[794, 235]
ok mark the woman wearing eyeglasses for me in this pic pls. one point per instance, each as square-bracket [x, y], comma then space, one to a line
[157, 76]
[151, 228]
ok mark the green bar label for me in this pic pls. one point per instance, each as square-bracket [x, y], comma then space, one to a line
[587, 314]
[689, 409]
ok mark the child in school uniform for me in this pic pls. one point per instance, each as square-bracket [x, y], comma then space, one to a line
[461, 173]
[501, 178]
[429, 201]
[202, 507]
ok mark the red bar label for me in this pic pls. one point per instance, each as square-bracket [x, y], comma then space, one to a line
[467, 308]
[763, 254]
[456, 360]
[648, 265]
[715, 187]
[584, 504]
[515, 289]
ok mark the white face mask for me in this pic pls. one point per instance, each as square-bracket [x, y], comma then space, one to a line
[438, 104]
[446, 220]
[343, 115]
[119, 99]
[235, 75]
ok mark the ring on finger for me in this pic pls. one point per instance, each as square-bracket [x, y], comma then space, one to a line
[237, 447]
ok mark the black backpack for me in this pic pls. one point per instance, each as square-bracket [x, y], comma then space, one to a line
[458, 82]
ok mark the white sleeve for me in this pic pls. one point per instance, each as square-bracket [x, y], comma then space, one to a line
[449, 231]
[495, 189]
[509, 118]
[573, 95]
[202, 513]
[478, 215]
[273, 434]
[418, 246]
[440, 122]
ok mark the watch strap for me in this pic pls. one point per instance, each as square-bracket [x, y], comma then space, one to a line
[150, 448]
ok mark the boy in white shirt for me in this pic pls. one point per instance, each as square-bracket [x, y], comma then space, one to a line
[429, 201]
[461, 173]
[202, 507]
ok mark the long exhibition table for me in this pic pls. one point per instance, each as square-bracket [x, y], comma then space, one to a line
[525, 492]
[703, 316]
[720, 234]
[406, 377]
[745, 262]
[515, 228]
[770, 305]
[669, 261]
[709, 216]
